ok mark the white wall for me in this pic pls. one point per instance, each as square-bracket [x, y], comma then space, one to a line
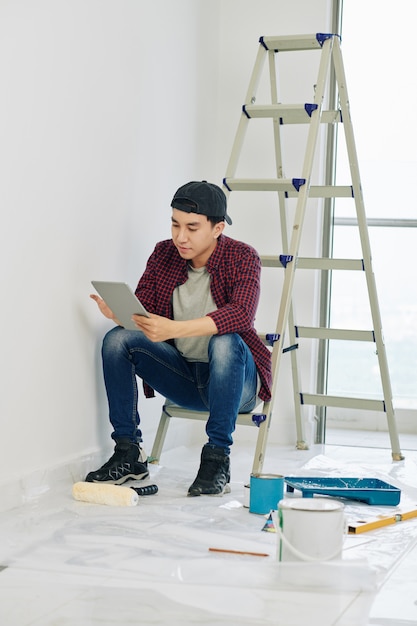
[107, 107]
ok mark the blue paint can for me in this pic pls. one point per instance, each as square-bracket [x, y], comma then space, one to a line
[266, 490]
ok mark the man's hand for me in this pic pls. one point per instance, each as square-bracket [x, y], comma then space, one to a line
[105, 310]
[156, 327]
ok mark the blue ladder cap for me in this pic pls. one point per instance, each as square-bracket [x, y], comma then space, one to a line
[258, 418]
[310, 108]
[284, 259]
[245, 111]
[225, 184]
[262, 42]
[322, 37]
[298, 182]
[272, 338]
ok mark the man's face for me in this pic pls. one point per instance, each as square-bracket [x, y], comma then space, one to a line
[194, 236]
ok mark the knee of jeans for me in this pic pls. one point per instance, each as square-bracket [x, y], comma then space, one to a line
[115, 340]
[118, 339]
[111, 339]
[222, 346]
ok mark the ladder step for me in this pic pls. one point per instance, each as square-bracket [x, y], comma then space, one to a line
[294, 42]
[343, 402]
[306, 263]
[172, 410]
[310, 332]
[327, 191]
[287, 185]
[262, 184]
[289, 113]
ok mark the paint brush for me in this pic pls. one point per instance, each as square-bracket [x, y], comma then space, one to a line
[244, 552]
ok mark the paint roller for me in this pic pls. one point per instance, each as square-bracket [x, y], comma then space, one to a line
[112, 495]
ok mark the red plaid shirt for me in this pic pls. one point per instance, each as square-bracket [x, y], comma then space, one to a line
[235, 269]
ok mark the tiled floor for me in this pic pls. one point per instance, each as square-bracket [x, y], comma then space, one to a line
[69, 563]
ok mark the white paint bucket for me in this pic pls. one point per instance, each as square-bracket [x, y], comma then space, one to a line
[310, 529]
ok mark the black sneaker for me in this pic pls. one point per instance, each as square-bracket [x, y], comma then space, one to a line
[213, 477]
[129, 461]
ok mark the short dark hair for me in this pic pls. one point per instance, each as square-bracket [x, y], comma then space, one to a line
[214, 219]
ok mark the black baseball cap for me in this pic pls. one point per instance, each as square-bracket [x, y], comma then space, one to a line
[203, 198]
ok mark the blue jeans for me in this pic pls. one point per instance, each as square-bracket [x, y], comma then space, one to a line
[224, 386]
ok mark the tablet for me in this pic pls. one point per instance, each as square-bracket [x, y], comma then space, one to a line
[122, 301]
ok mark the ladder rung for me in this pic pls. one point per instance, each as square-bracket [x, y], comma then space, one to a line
[343, 402]
[316, 264]
[288, 113]
[327, 191]
[286, 185]
[261, 184]
[330, 264]
[310, 332]
[290, 43]
[172, 410]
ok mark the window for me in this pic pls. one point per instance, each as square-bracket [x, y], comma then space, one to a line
[377, 44]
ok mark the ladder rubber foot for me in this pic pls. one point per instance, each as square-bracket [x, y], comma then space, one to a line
[397, 456]
[302, 445]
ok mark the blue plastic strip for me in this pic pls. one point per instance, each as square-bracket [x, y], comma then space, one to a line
[272, 338]
[298, 182]
[245, 111]
[301, 399]
[258, 418]
[310, 108]
[225, 184]
[296, 331]
[261, 41]
[284, 259]
[290, 348]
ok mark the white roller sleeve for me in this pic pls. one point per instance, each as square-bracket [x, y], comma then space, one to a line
[112, 495]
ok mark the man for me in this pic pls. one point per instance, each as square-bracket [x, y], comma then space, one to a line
[198, 348]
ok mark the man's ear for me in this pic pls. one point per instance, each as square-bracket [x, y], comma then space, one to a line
[218, 229]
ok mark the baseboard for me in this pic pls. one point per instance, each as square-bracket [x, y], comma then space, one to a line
[21, 490]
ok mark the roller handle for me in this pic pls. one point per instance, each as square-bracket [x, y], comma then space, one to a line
[149, 490]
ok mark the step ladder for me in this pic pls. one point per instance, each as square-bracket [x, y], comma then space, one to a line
[300, 187]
